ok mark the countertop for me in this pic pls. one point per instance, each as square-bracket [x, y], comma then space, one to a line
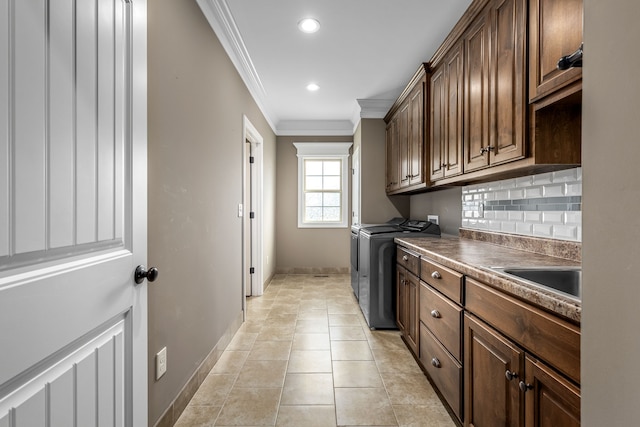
[472, 258]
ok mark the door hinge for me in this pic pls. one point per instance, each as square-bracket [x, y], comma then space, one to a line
[251, 159]
[252, 215]
[252, 270]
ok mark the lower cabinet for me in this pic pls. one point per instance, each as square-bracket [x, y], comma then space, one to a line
[407, 307]
[506, 386]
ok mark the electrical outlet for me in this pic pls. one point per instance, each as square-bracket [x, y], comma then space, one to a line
[161, 363]
[240, 210]
[434, 219]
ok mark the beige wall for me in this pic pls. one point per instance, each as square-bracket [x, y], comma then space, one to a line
[302, 248]
[446, 203]
[196, 106]
[375, 205]
[611, 214]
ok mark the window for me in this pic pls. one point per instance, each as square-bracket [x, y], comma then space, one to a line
[323, 184]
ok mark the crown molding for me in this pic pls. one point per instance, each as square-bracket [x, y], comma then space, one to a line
[221, 21]
[374, 108]
[315, 128]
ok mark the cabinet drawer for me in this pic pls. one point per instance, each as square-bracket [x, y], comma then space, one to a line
[408, 260]
[444, 370]
[447, 281]
[442, 317]
[547, 336]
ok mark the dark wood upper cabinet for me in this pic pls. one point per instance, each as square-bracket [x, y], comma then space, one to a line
[495, 97]
[555, 30]
[447, 116]
[406, 130]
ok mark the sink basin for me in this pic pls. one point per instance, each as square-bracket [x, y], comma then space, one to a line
[566, 280]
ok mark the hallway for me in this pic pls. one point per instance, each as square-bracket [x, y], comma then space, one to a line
[305, 357]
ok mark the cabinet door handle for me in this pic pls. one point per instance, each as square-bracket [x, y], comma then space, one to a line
[482, 150]
[525, 387]
[510, 375]
[436, 314]
[436, 275]
[436, 363]
[405, 258]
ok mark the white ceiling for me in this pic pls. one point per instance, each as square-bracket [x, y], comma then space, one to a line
[362, 57]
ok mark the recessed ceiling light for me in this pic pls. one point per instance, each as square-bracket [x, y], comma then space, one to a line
[312, 87]
[309, 25]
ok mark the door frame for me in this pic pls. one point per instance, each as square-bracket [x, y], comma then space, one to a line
[251, 134]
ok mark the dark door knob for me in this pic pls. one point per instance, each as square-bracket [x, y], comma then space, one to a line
[142, 273]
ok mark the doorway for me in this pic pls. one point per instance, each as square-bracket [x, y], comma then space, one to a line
[252, 210]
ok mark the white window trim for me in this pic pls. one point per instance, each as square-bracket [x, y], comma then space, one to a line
[324, 150]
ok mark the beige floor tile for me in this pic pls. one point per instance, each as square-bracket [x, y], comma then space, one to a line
[364, 407]
[408, 389]
[270, 350]
[356, 373]
[230, 362]
[214, 390]
[306, 416]
[287, 307]
[312, 326]
[308, 389]
[319, 314]
[242, 341]
[258, 313]
[311, 342]
[276, 333]
[346, 333]
[350, 350]
[252, 325]
[343, 319]
[337, 308]
[198, 416]
[250, 407]
[423, 416]
[262, 374]
[309, 361]
[396, 361]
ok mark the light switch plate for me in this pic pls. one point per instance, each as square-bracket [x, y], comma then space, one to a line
[161, 363]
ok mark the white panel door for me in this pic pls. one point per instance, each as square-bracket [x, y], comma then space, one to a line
[73, 322]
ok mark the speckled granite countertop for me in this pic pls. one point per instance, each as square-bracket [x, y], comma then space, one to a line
[472, 258]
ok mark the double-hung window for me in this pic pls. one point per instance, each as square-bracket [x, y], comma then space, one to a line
[323, 184]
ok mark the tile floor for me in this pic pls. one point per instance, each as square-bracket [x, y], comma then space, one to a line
[305, 358]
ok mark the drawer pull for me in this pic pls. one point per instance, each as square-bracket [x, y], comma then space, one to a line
[510, 375]
[405, 258]
[435, 314]
[436, 275]
[524, 386]
[436, 363]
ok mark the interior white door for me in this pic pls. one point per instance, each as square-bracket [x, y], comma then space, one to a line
[73, 325]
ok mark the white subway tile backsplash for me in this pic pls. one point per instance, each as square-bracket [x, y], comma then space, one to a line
[500, 215]
[565, 232]
[509, 227]
[573, 218]
[517, 216]
[542, 230]
[574, 189]
[516, 194]
[553, 190]
[533, 217]
[543, 178]
[553, 217]
[533, 192]
[547, 205]
[567, 175]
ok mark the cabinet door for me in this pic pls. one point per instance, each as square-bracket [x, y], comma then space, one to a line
[438, 124]
[551, 400]
[393, 182]
[476, 120]
[493, 366]
[507, 88]
[555, 30]
[412, 326]
[401, 298]
[454, 64]
[403, 144]
[416, 134]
